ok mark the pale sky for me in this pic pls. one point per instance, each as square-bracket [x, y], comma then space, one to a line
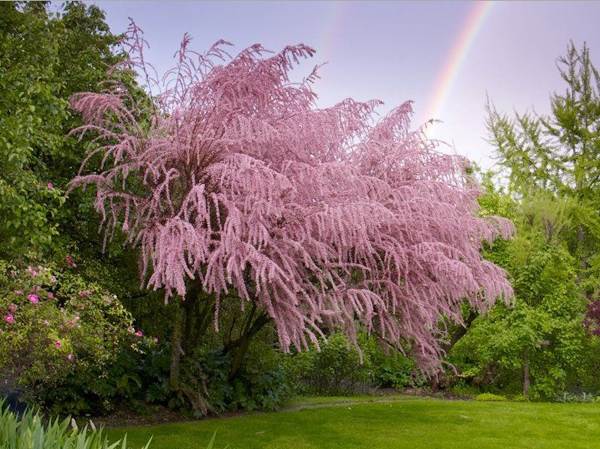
[393, 51]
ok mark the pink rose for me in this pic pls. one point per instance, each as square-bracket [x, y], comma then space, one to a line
[70, 262]
[33, 298]
[139, 334]
[50, 295]
[9, 318]
[12, 307]
[50, 186]
[70, 357]
[155, 340]
[58, 344]
[32, 272]
[46, 323]
[19, 292]
[70, 324]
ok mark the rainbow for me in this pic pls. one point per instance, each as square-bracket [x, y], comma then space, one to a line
[333, 25]
[435, 106]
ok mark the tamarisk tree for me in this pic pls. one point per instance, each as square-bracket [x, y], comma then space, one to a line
[232, 184]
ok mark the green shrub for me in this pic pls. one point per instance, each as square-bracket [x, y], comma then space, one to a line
[489, 397]
[519, 398]
[29, 431]
[577, 397]
[260, 383]
[334, 370]
[389, 369]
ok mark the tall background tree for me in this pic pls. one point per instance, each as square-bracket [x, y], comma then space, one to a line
[560, 154]
[550, 171]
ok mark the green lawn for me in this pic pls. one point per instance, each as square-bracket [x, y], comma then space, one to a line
[408, 423]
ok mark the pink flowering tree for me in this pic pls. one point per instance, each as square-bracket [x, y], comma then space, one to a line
[236, 188]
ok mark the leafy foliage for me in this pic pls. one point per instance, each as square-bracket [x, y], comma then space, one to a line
[44, 58]
[559, 154]
[29, 431]
[552, 169]
[489, 397]
[56, 324]
[540, 340]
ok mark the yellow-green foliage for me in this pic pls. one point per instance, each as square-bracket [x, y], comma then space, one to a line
[489, 397]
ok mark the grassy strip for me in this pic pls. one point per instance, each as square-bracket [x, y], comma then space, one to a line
[410, 423]
[301, 402]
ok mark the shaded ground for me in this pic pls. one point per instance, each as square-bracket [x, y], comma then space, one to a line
[155, 415]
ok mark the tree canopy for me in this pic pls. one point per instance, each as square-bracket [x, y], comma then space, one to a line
[232, 180]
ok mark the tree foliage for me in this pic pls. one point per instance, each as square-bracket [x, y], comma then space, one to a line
[537, 346]
[322, 218]
[559, 153]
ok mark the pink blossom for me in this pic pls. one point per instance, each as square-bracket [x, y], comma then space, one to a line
[32, 271]
[12, 307]
[53, 279]
[9, 318]
[131, 330]
[50, 295]
[85, 293]
[46, 323]
[70, 262]
[77, 318]
[58, 344]
[70, 357]
[33, 298]
[155, 340]
[70, 324]
[139, 333]
[50, 186]
[19, 292]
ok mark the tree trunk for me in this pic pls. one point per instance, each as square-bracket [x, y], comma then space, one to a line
[241, 345]
[176, 349]
[460, 332]
[526, 380]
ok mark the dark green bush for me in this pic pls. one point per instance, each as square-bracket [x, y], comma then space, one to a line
[261, 383]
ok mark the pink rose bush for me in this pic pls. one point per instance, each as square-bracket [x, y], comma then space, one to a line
[56, 323]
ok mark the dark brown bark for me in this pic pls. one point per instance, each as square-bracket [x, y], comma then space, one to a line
[526, 379]
[460, 332]
[176, 348]
[239, 346]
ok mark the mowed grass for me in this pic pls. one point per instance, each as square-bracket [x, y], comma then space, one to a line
[409, 423]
